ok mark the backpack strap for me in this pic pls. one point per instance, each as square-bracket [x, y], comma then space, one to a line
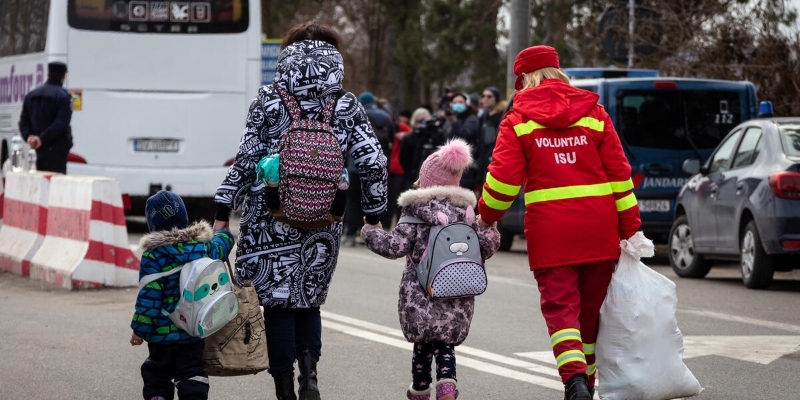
[408, 219]
[153, 277]
[294, 108]
[289, 101]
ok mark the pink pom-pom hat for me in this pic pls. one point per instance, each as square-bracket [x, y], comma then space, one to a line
[445, 166]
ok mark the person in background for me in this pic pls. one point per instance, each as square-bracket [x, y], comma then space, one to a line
[291, 268]
[397, 176]
[175, 358]
[382, 123]
[435, 326]
[44, 120]
[466, 127]
[579, 204]
[494, 106]
[426, 137]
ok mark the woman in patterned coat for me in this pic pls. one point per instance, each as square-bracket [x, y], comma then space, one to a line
[291, 268]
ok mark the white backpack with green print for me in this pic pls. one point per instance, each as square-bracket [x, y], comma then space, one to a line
[207, 301]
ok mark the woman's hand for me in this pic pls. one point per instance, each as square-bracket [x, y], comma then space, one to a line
[483, 223]
[378, 225]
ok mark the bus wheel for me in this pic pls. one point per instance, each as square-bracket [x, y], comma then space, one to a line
[685, 262]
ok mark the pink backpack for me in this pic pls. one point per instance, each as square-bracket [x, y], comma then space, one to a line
[311, 163]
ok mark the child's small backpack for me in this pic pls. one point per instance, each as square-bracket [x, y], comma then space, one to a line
[310, 171]
[452, 264]
[207, 300]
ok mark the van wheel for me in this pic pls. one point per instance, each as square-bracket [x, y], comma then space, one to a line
[506, 240]
[757, 265]
[685, 262]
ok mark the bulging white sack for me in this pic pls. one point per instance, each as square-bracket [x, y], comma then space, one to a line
[639, 346]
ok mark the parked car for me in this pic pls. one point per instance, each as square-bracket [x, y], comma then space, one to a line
[744, 204]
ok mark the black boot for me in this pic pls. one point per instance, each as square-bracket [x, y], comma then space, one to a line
[577, 388]
[591, 391]
[307, 364]
[284, 386]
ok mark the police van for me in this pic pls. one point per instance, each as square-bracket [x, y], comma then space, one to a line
[661, 122]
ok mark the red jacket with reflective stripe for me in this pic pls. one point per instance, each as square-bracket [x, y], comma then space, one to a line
[561, 145]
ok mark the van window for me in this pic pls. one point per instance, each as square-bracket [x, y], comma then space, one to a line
[658, 118]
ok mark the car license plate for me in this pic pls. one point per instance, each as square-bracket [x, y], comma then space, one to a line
[658, 206]
[156, 145]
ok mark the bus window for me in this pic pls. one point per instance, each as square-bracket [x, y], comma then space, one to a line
[658, 118]
[23, 26]
[212, 16]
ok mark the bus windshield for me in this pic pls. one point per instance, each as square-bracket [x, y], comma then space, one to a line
[659, 118]
[213, 16]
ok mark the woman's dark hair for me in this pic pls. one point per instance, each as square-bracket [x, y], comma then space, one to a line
[313, 30]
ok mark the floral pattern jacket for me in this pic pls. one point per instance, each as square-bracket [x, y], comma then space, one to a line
[422, 318]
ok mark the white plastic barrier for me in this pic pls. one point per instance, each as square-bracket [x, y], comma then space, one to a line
[25, 211]
[86, 241]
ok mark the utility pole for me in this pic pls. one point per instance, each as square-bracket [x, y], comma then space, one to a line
[631, 18]
[519, 35]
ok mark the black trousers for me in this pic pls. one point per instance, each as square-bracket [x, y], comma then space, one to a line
[53, 159]
[290, 331]
[181, 363]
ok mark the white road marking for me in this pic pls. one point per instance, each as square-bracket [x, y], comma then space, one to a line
[743, 320]
[757, 349]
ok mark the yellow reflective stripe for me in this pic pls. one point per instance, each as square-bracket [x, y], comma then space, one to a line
[494, 203]
[564, 334]
[527, 127]
[591, 123]
[591, 369]
[588, 348]
[570, 356]
[626, 202]
[622, 186]
[500, 187]
[567, 192]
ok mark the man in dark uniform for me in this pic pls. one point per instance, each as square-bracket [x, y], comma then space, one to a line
[44, 121]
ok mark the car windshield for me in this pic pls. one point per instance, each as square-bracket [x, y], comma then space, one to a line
[659, 118]
[791, 140]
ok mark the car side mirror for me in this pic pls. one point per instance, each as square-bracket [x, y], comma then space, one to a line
[691, 166]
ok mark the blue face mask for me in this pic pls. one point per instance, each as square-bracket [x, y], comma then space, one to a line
[458, 108]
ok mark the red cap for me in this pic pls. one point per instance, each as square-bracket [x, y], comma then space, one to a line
[532, 59]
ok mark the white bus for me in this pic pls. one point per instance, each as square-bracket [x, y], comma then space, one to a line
[160, 88]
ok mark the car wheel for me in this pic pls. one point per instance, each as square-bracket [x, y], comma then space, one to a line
[757, 265]
[685, 262]
[506, 240]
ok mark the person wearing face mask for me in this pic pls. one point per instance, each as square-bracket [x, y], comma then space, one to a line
[467, 127]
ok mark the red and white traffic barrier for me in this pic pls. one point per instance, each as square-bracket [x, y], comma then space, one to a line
[86, 241]
[25, 211]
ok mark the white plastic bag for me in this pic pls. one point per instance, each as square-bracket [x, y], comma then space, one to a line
[639, 346]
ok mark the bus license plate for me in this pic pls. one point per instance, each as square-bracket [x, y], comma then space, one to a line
[658, 206]
[156, 145]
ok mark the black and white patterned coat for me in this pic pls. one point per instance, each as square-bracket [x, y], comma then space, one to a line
[292, 267]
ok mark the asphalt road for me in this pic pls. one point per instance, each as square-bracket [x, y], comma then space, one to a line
[740, 343]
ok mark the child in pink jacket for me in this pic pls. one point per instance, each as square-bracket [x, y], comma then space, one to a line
[435, 326]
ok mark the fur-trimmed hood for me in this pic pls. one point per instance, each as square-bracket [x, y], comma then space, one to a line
[199, 231]
[458, 196]
[434, 203]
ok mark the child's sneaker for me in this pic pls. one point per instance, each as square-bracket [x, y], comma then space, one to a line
[446, 389]
[418, 394]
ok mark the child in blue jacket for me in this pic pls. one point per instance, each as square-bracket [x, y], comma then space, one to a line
[176, 358]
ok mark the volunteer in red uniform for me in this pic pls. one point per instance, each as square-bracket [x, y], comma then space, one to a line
[579, 203]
